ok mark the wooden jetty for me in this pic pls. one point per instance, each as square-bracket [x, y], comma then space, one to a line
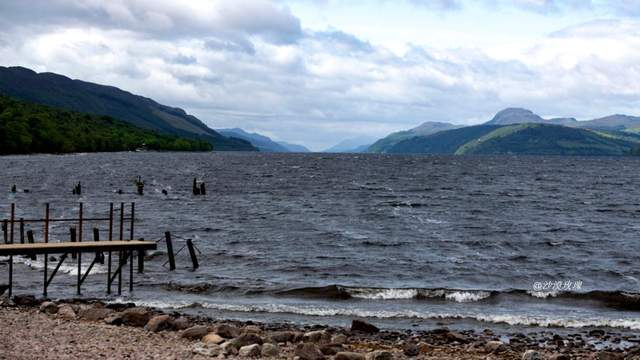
[125, 248]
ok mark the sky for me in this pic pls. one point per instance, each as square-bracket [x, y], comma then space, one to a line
[315, 72]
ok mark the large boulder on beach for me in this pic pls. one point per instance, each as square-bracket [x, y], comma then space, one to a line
[308, 351]
[49, 307]
[94, 313]
[195, 332]
[319, 336]
[181, 323]
[66, 312]
[363, 326]
[346, 355]
[254, 350]
[379, 355]
[213, 338]
[227, 331]
[270, 350]
[136, 316]
[246, 339]
[25, 300]
[283, 336]
[159, 323]
[494, 346]
[339, 339]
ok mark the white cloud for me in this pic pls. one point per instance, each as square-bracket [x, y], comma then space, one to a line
[319, 86]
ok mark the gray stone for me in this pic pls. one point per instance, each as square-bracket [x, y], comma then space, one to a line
[94, 313]
[209, 350]
[114, 319]
[227, 331]
[363, 326]
[250, 350]
[136, 316]
[228, 348]
[346, 355]
[195, 332]
[283, 336]
[48, 307]
[25, 300]
[609, 355]
[308, 351]
[159, 323]
[379, 355]
[246, 339]
[319, 336]
[213, 338]
[532, 355]
[251, 329]
[270, 350]
[339, 339]
[494, 346]
[181, 323]
[66, 312]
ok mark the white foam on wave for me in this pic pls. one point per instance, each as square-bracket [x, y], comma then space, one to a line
[321, 311]
[385, 294]
[543, 294]
[69, 267]
[467, 296]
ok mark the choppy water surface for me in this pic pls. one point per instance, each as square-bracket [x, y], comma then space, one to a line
[409, 241]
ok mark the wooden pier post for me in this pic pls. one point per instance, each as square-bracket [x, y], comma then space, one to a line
[99, 255]
[13, 216]
[5, 231]
[110, 239]
[80, 220]
[192, 253]
[73, 238]
[46, 240]
[121, 254]
[21, 230]
[172, 260]
[30, 241]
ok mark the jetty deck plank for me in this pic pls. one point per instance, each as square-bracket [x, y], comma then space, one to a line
[75, 247]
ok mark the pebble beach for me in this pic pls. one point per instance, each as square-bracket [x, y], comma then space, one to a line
[82, 329]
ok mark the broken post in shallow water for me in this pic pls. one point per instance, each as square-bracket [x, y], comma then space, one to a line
[203, 191]
[196, 189]
[172, 259]
[192, 254]
[140, 186]
[13, 189]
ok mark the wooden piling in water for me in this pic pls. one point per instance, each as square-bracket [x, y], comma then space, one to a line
[46, 240]
[172, 259]
[73, 238]
[5, 231]
[30, 241]
[99, 255]
[110, 239]
[192, 254]
[21, 230]
[80, 220]
[13, 218]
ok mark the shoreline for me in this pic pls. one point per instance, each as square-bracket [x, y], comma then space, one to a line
[36, 328]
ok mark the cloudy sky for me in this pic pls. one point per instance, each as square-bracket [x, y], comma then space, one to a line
[319, 71]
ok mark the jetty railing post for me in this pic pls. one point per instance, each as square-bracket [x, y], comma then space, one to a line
[96, 237]
[5, 231]
[80, 219]
[172, 260]
[73, 238]
[110, 238]
[192, 254]
[21, 230]
[131, 222]
[46, 240]
[30, 241]
[13, 215]
[130, 271]
[121, 253]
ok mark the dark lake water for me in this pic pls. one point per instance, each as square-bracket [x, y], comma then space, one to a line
[409, 241]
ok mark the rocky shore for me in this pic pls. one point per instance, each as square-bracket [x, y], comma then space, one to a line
[35, 329]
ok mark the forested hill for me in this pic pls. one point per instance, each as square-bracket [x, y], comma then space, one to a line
[30, 128]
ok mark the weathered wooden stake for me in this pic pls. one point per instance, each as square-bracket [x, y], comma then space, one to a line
[203, 191]
[21, 230]
[96, 237]
[46, 240]
[30, 240]
[172, 259]
[110, 238]
[5, 231]
[192, 253]
[73, 238]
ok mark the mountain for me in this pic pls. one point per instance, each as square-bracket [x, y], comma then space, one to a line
[431, 127]
[61, 92]
[515, 116]
[27, 128]
[294, 147]
[613, 122]
[353, 145]
[263, 143]
[521, 139]
[522, 116]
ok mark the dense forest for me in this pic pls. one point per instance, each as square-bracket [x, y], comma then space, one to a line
[30, 128]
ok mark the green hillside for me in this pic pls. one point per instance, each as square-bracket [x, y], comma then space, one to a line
[30, 128]
[385, 144]
[542, 139]
[443, 142]
[62, 92]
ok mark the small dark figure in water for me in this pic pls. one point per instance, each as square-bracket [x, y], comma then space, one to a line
[203, 191]
[77, 190]
[13, 188]
[164, 192]
[119, 191]
[140, 186]
[196, 189]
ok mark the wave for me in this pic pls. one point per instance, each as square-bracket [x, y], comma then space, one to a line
[327, 311]
[69, 267]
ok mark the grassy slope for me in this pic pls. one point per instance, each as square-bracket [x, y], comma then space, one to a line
[542, 139]
[443, 142]
[30, 128]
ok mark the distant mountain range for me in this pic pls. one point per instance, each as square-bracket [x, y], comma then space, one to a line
[519, 131]
[352, 145]
[263, 143]
[59, 91]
